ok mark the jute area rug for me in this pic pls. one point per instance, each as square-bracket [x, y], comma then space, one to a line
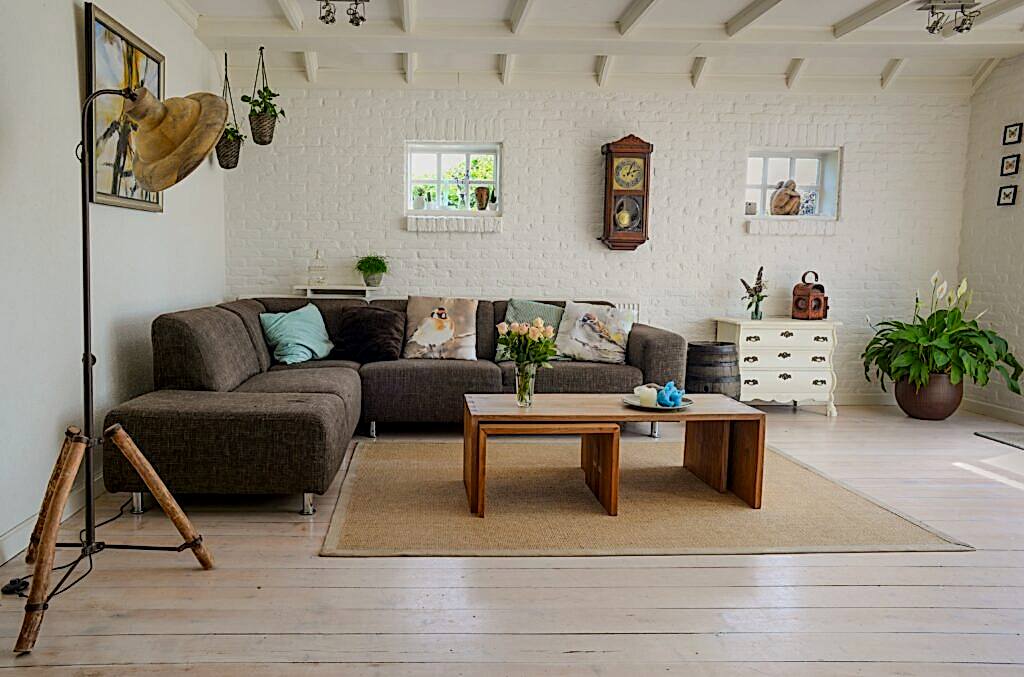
[407, 498]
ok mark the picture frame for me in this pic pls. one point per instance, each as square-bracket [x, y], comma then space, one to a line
[1007, 196]
[1010, 165]
[117, 58]
[1013, 134]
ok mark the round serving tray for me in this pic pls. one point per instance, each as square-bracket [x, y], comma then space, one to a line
[634, 401]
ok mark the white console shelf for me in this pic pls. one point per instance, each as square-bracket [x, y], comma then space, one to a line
[338, 291]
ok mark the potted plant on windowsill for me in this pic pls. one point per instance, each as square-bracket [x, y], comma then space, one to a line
[929, 357]
[372, 268]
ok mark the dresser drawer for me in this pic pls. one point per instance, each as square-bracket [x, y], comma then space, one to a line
[759, 337]
[764, 383]
[785, 358]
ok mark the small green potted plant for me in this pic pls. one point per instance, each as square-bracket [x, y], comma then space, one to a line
[372, 268]
[263, 114]
[929, 357]
[229, 147]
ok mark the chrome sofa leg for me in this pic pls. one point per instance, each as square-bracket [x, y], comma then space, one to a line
[655, 429]
[373, 430]
[137, 508]
[307, 504]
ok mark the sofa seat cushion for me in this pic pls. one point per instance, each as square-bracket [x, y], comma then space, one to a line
[578, 377]
[317, 364]
[338, 381]
[428, 391]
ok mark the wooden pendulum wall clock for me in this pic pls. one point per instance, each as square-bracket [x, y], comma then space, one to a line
[627, 178]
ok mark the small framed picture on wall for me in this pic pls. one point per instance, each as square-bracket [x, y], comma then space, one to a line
[1007, 196]
[1010, 166]
[1012, 133]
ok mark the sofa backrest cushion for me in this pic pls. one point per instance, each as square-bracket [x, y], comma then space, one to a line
[501, 309]
[248, 310]
[202, 349]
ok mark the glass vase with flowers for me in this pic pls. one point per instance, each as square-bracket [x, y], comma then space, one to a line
[529, 345]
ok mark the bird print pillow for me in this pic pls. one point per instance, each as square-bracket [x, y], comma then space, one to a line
[594, 333]
[440, 328]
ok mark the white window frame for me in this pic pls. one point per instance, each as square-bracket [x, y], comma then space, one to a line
[441, 185]
[826, 183]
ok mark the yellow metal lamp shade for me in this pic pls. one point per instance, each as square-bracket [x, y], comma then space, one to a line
[174, 136]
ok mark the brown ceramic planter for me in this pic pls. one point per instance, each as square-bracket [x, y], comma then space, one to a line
[933, 402]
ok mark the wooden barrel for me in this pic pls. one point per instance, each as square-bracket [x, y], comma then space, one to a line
[713, 367]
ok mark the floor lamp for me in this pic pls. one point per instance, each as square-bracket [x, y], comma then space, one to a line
[173, 138]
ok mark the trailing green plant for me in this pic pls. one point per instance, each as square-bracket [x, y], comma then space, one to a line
[263, 103]
[942, 341]
[233, 133]
[374, 264]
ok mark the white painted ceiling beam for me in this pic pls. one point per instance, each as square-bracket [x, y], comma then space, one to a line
[989, 11]
[520, 12]
[293, 13]
[748, 15]
[439, 38]
[311, 63]
[697, 69]
[506, 64]
[408, 15]
[891, 70]
[982, 75]
[865, 16]
[409, 63]
[795, 70]
[186, 11]
[604, 69]
[631, 17]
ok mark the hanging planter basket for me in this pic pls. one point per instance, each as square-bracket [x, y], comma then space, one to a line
[262, 126]
[229, 147]
[228, 151]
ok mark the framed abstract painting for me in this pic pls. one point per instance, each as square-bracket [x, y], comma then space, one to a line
[117, 58]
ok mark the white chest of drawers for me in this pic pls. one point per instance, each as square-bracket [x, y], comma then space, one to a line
[784, 360]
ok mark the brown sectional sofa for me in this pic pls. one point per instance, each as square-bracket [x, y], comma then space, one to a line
[226, 419]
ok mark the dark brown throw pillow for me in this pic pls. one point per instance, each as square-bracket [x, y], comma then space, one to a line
[369, 334]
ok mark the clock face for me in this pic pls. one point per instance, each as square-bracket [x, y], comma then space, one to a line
[629, 173]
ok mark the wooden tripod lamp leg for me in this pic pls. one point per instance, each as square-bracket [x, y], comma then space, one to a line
[47, 548]
[159, 490]
[51, 486]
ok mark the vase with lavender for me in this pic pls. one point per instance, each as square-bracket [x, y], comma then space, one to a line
[755, 294]
[530, 346]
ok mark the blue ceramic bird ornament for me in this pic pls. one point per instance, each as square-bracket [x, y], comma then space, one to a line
[670, 395]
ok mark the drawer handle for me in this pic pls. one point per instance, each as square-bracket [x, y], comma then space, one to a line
[819, 382]
[818, 358]
[785, 377]
[750, 358]
[753, 339]
[750, 382]
[821, 339]
[786, 334]
[784, 355]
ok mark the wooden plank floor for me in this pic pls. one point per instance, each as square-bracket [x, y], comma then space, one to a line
[273, 607]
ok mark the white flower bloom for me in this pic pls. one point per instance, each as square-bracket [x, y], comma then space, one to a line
[962, 289]
[935, 278]
[941, 291]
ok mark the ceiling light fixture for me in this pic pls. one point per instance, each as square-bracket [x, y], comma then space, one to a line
[961, 21]
[356, 11]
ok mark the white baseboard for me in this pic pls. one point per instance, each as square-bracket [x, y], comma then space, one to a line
[994, 411]
[15, 539]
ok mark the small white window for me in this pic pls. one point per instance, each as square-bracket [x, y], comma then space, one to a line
[444, 177]
[815, 172]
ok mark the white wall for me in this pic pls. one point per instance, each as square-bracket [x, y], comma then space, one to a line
[992, 248]
[143, 263]
[333, 179]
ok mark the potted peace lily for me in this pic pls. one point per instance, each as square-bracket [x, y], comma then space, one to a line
[529, 346]
[929, 357]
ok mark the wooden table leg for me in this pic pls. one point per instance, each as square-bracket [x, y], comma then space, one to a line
[706, 452]
[470, 458]
[600, 457]
[746, 460]
[47, 551]
[481, 471]
[51, 486]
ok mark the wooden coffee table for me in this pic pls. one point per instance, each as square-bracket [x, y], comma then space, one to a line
[723, 446]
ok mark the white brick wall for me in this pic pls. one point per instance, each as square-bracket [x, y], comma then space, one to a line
[992, 249]
[333, 179]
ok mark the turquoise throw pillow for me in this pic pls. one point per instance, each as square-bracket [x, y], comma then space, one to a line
[298, 336]
[521, 310]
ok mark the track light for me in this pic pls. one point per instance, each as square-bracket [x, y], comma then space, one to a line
[356, 12]
[939, 15]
